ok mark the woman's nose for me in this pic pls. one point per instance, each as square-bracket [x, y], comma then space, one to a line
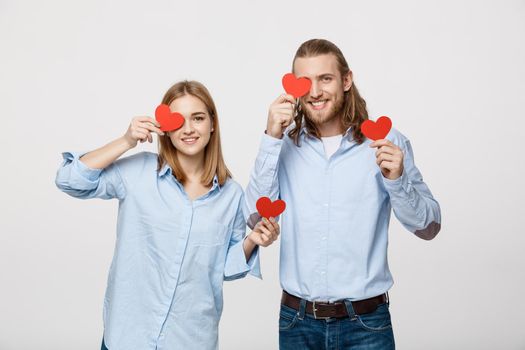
[187, 127]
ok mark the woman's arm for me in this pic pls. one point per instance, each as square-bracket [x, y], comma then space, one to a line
[97, 174]
[139, 129]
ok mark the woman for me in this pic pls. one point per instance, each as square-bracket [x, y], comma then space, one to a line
[180, 227]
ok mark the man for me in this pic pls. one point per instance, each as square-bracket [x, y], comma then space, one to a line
[339, 188]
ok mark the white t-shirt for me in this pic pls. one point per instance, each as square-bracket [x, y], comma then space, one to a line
[331, 144]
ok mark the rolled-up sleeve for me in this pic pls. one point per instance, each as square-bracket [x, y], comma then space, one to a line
[236, 264]
[411, 199]
[78, 180]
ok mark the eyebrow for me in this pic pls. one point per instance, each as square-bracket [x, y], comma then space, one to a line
[326, 75]
[320, 75]
[197, 113]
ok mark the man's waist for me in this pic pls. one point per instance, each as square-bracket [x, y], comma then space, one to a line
[337, 309]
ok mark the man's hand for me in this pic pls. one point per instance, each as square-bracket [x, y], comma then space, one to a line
[389, 157]
[280, 115]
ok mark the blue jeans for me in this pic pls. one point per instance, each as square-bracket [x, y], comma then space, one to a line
[103, 346]
[298, 330]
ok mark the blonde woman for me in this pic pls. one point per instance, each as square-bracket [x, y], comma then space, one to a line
[180, 232]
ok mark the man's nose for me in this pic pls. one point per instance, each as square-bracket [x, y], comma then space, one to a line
[315, 90]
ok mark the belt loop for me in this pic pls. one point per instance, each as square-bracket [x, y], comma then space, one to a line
[350, 310]
[387, 298]
[302, 309]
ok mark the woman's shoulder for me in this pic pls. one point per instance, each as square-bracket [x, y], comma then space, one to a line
[137, 164]
[233, 186]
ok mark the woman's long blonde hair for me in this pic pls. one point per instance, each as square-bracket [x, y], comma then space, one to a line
[213, 160]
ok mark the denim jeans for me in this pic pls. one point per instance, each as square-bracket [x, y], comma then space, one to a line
[298, 330]
[103, 346]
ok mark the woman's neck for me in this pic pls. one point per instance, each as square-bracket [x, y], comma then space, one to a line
[193, 166]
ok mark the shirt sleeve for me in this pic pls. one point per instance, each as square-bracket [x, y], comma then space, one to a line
[78, 180]
[264, 180]
[236, 264]
[411, 199]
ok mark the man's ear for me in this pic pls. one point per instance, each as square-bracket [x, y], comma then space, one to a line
[347, 81]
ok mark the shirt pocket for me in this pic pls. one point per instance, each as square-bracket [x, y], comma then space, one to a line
[209, 233]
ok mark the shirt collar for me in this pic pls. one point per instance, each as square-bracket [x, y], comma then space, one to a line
[347, 134]
[166, 169]
[215, 183]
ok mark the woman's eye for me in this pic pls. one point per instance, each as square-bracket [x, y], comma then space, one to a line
[199, 119]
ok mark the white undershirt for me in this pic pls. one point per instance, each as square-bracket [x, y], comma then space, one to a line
[331, 144]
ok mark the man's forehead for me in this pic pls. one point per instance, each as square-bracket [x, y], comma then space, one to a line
[315, 65]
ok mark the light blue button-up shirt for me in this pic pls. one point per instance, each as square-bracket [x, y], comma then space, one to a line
[171, 256]
[334, 231]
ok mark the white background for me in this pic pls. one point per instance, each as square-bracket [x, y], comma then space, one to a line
[450, 74]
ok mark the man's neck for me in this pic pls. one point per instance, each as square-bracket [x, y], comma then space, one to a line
[331, 128]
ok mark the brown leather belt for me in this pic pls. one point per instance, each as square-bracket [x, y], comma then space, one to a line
[323, 310]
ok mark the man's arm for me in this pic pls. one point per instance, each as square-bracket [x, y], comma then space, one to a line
[411, 199]
[264, 176]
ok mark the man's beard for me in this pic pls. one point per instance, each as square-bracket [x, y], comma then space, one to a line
[316, 118]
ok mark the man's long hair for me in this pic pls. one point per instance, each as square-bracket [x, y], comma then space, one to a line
[353, 112]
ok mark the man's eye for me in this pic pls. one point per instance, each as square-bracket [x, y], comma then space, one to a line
[327, 79]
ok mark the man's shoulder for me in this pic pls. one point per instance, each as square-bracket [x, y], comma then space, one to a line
[396, 137]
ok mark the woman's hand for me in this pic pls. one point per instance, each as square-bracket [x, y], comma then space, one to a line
[140, 129]
[265, 232]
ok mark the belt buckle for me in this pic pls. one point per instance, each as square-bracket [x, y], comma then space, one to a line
[314, 310]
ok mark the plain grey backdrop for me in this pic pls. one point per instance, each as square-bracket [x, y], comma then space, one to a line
[450, 74]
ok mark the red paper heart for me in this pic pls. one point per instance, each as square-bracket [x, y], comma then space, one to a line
[376, 130]
[268, 209]
[168, 121]
[296, 87]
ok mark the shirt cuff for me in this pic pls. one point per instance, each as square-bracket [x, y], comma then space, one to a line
[85, 176]
[399, 186]
[271, 145]
[236, 265]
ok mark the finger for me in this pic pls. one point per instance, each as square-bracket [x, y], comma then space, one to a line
[384, 157]
[284, 119]
[138, 135]
[269, 226]
[267, 233]
[264, 238]
[284, 98]
[148, 119]
[255, 237]
[144, 131]
[150, 127]
[381, 142]
[385, 164]
[287, 106]
[388, 150]
[274, 224]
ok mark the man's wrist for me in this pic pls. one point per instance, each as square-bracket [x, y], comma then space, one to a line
[277, 137]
